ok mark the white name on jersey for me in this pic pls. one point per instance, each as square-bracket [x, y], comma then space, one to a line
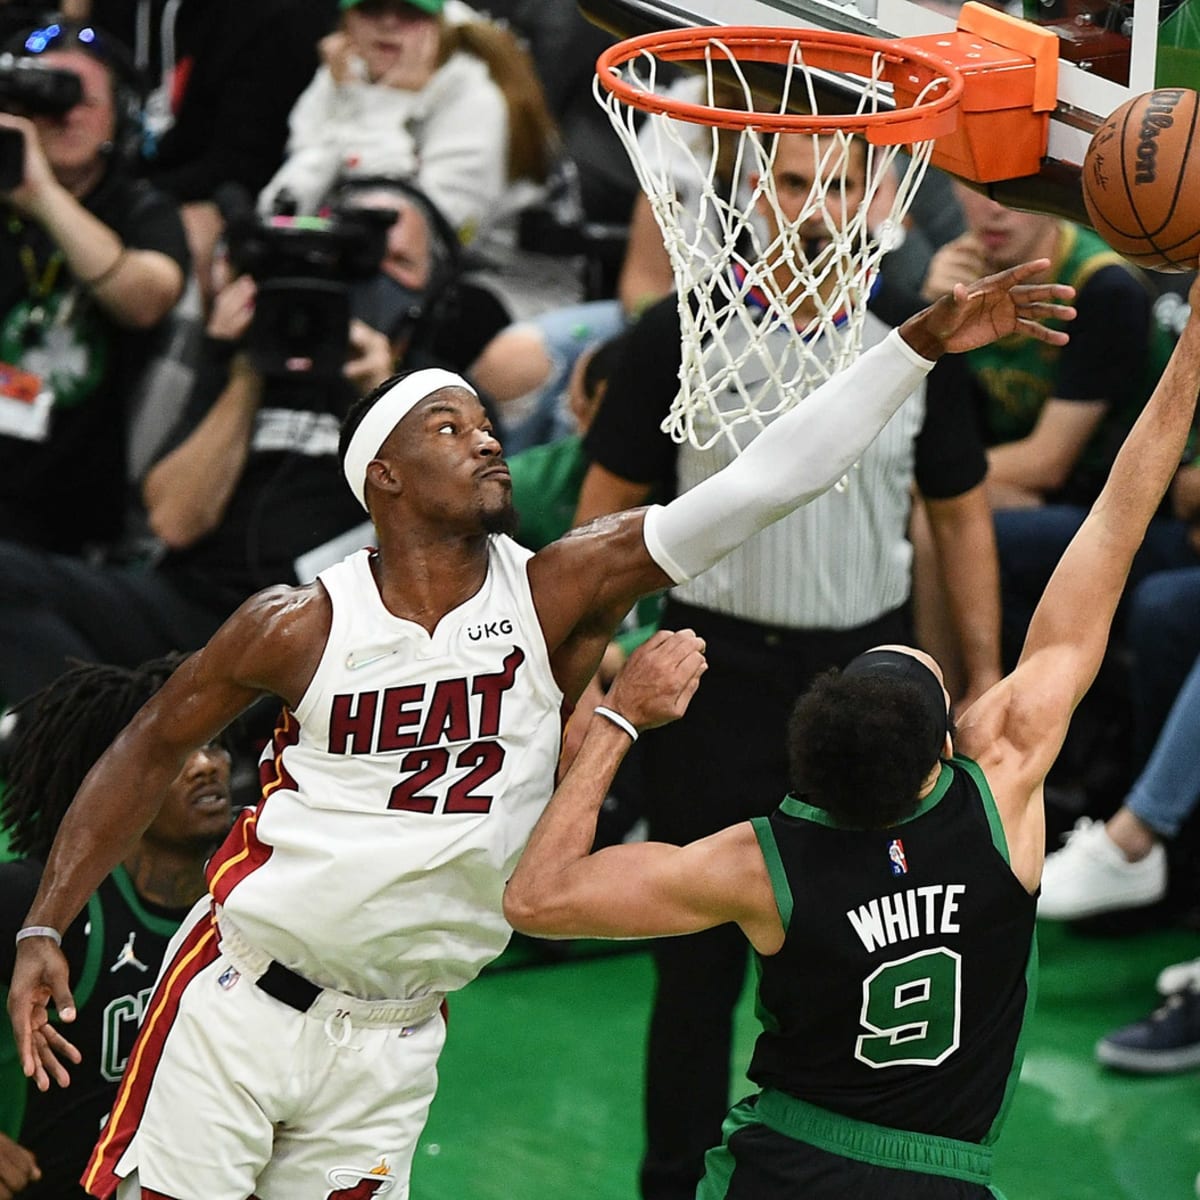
[899, 916]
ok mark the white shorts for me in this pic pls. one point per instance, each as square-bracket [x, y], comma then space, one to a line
[230, 1093]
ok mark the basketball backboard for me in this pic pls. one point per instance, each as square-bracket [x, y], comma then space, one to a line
[1108, 51]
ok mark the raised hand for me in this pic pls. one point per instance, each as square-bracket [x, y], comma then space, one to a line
[415, 62]
[974, 315]
[40, 977]
[959, 261]
[659, 680]
[37, 179]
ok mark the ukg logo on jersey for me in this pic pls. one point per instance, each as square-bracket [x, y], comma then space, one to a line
[489, 629]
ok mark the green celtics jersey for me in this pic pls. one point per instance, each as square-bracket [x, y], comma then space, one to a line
[907, 970]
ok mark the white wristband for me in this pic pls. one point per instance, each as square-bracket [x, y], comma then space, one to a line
[615, 717]
[45, 931]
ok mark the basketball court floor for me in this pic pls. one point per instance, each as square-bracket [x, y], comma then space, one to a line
[541, 1082]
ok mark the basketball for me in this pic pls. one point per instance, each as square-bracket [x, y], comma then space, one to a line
[1141, 180]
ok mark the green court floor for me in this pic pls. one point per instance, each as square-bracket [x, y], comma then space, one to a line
[541, 1083]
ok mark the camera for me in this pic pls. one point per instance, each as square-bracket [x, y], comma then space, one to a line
[30, 88]
[305, 268]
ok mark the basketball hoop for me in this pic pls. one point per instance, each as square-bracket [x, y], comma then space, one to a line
[772, 300]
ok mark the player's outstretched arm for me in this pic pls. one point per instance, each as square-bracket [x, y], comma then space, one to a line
[807, 450]
[271, 644]
[559, 889]
[976, 314]
[557, 882]
[1069, 631]
[588, 579]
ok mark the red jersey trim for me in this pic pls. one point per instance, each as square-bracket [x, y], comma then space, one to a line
[242, 853]
[197, 952]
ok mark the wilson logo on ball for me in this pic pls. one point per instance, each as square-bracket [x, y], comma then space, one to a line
[1141, 179]
[1156, 118]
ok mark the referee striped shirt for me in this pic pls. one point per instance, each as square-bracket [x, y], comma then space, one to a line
[836, 563]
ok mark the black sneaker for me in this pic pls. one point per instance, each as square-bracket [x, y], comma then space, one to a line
[1167, 1040]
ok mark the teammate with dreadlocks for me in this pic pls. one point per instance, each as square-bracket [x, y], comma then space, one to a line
[117, 943]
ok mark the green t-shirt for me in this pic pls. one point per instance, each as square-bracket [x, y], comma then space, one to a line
[1019, 374]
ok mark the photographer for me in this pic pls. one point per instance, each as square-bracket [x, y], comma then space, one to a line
[252, 492]
[90, 262]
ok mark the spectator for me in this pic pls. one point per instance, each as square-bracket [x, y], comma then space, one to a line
[1122, 862]
[546, 478]
[564, 46]
[528, 369]
[90, 261]
[1053, 422]
[1158, 638]
[115, 947]
[775, 613]
[223, 76]
[406, 91]
[251, 494]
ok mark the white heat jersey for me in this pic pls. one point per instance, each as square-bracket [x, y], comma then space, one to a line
[400, 793]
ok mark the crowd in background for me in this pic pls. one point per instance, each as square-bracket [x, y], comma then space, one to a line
[251, 214]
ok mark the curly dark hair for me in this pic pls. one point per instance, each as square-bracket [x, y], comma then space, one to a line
[859, 748]
[61, 731]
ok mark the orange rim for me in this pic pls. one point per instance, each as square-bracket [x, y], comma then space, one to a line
[913, 66]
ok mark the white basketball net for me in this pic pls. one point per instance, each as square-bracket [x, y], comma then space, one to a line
[767, 312]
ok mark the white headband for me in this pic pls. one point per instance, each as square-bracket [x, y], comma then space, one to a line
[385, 414]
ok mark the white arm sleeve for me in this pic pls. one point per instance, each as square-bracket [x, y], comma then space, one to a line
[797, 457]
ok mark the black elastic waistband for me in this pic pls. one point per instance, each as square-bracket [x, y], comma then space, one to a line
[843, 644]
[287, 987]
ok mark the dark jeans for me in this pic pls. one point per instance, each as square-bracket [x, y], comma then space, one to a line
[1163, 630]
[1158, 621]
[54, 608]
[725, 761]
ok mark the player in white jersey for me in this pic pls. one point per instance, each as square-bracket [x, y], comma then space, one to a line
[290, 1047]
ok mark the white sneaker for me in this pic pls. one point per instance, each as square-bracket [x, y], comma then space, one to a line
[1179, 977]
[1090, 875]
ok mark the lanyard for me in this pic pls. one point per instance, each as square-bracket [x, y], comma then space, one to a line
[40, 284]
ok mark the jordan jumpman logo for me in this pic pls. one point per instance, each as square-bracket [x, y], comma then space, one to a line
[127, 958]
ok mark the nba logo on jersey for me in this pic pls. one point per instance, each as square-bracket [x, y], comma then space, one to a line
[228, 977]
[896, 856]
